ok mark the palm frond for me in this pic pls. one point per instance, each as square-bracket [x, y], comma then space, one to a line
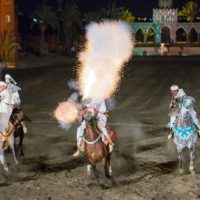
[9, 46]
[189, 10]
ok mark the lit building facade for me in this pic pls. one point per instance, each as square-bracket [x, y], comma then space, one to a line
[165, 27]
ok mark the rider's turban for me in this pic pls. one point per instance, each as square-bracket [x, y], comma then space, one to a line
[3, 83]
[174, 87]
[8, 76]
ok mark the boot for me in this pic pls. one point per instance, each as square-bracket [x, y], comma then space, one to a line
[109, 140]
[80, 148]
[77, 153]
[170, 134]
[110, 144]
[110, 148]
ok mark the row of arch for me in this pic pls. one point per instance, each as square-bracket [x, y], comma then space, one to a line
[181, 35]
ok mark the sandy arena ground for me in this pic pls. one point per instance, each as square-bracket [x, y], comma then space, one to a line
[144, 161]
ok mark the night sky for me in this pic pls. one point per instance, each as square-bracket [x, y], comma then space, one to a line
[138, 7]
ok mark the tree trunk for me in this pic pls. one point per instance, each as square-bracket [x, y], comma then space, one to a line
[42, 40]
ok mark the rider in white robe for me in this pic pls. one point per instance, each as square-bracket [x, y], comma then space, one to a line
[14, 90]
[175, 104]
[188, 106]
[178, 102]
[15, 98]
[6, 106]
[100, 107]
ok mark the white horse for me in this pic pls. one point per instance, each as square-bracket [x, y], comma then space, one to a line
[185, 135]
[2, 152]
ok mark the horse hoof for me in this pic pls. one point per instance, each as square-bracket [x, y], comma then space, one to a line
[191, 168]
[110, 170]
[89, 170]
[89, 173]
[192, 173]
[6, 170]
[16, 162]
[180, 171]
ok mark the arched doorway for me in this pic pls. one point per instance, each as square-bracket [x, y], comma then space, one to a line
[165, 35]
[139, 36]
[193, 35]
[181, 35]
[150, 35]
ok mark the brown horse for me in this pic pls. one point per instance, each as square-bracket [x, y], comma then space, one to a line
[95, 148]
[17, 118]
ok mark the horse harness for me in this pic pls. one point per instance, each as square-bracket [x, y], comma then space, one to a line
[92, 142]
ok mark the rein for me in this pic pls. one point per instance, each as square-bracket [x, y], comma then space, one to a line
[93, 142]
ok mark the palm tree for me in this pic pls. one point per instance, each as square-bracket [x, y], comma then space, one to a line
[127, 16]
[92, 16]
[189, 10]
[9, 46]
[71, 23]
[110, 12]
[44, 17]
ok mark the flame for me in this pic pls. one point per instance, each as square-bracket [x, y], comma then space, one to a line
[89, 82]
[66, 112]
[109, 45]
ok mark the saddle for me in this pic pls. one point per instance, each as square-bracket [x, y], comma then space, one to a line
[111, 132]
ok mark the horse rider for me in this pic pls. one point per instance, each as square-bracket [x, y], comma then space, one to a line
[178, 97]
[100, 109]
[6, 108]
[16, 101]
[175, 104]
[188, 106]
[14, 89]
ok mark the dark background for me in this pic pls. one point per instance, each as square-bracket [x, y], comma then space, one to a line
[138, 7]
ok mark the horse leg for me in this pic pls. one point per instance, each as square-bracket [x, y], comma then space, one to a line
[95, 172]
[89, 169]
[180, 158]
[21, 138]
[3, 161]
[11, 144]
[192, 157]
[107, 167]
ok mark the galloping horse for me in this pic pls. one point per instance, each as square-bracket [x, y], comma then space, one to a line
[19, 117]
[185, 135]
[7, 140]
[96, 150]
[15, 130]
